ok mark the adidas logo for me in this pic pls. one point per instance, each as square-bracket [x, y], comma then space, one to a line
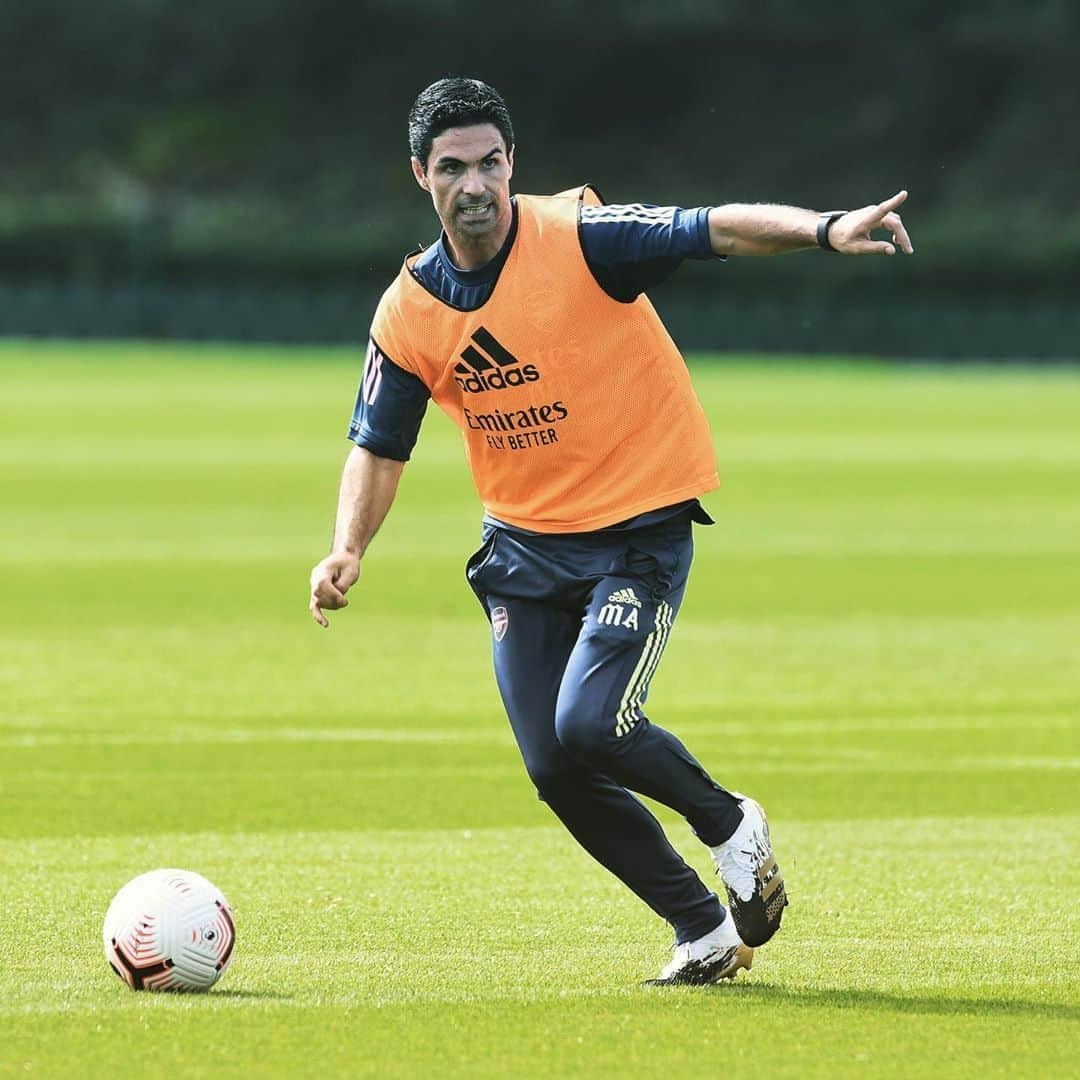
[496, 368]
[624, 596]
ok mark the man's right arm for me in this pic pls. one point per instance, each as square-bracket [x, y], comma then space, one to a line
[368, 486]
[390, 405]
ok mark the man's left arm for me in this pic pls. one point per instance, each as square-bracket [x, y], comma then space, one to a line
[751, 229]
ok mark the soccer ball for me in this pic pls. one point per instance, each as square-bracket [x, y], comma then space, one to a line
[169, 930]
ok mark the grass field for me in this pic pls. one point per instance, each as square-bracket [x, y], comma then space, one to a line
[881, 642]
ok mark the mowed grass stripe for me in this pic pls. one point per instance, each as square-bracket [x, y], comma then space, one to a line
[809, 1034]
[332, 786]
[20, 734]
[788, 669]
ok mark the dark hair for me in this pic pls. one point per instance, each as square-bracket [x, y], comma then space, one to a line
[455, 102]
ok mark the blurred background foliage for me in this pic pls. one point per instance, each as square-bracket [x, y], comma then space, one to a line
[228, 147]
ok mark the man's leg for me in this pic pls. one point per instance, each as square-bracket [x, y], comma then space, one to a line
[600, 722]
[531, 645]
[599, 717]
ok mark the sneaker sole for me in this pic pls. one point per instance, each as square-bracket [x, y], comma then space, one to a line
[743, 960]
[726, 966]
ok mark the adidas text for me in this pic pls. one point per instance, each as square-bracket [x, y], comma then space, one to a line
[498, 379]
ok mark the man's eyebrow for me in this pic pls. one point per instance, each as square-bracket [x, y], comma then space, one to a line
[448, 159]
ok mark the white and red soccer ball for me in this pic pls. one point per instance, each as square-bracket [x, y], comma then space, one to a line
[169, 930]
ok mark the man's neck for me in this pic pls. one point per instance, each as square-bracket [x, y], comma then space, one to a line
[467, 254]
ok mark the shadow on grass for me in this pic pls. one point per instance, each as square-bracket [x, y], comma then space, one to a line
[936, 1004]
[252, 995]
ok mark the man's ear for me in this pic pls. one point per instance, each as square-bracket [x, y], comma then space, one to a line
[510, 160]
[418, 172]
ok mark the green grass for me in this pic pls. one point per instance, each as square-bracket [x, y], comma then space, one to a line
[881, 641]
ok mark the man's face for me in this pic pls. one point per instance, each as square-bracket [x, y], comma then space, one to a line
[468, 175]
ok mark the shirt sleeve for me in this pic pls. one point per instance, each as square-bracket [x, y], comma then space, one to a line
[632, 247]
[389, 409]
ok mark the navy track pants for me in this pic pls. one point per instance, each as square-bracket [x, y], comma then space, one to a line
[579, 624]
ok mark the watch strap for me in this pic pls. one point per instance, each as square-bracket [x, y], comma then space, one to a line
[823, 226]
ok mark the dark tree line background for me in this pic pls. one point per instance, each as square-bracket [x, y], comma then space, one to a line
[213, 144]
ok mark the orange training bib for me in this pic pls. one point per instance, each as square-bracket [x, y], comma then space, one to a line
[577, 410]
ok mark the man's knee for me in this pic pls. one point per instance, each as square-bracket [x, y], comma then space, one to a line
[552, 772]
[586, 735]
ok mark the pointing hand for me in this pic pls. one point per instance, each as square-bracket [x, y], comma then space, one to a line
[851, 234]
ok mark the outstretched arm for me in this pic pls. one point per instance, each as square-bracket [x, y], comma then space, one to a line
[368, 486]
[740, 229]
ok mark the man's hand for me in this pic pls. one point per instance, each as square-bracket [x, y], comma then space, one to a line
[850, 234]
[330, 581]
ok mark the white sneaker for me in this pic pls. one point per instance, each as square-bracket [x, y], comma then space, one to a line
[751, 876]
[720, 954]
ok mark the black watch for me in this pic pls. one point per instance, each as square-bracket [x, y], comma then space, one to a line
[824, 225]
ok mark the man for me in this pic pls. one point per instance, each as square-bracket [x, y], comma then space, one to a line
[527, 324]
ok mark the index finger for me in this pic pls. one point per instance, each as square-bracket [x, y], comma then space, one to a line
[891, 204]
